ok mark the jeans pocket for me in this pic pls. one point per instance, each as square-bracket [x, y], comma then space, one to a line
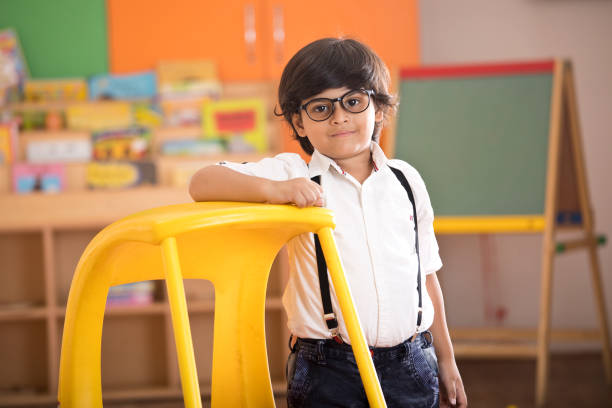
[290, 367]
[426, 367]
[430, 357]
[298, 382]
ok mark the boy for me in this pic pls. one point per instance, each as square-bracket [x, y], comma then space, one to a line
[334, 94]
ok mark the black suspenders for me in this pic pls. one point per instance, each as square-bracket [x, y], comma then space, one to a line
[328, 312]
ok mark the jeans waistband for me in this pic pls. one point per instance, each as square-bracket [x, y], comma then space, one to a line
[319, 349]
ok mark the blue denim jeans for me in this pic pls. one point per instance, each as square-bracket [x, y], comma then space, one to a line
[323, 373]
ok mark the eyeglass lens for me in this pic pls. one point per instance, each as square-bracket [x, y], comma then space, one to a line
[322, 108]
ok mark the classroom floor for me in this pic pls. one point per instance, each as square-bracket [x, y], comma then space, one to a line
[577, 381]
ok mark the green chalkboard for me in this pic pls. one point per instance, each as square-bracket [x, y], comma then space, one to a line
[60, 38]
[479, 142]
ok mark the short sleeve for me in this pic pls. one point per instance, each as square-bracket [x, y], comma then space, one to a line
[428, 245]
[284, 166]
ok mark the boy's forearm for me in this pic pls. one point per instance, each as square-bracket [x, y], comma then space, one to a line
[218, 183]
[439, 329]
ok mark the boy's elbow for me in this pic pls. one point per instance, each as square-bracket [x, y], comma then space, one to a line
[195, 186]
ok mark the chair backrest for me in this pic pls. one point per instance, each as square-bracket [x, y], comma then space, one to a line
[231, 244]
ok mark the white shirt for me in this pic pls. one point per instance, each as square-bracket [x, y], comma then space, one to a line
[375, 237]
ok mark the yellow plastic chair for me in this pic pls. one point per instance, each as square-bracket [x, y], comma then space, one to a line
[231, 244]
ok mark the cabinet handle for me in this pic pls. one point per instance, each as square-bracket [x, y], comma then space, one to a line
[250, 35]
[278, 33]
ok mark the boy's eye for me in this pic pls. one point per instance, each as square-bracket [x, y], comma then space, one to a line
[319, 107]
[353, 102]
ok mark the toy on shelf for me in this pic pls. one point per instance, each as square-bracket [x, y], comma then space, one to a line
[131, 143]
[47, 178]
[13, 68]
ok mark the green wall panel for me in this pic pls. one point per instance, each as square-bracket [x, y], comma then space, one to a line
[60, 38]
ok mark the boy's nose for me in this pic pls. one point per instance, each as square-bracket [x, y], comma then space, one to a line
[339, 114]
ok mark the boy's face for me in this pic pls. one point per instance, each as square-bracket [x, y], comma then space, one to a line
[344, 134]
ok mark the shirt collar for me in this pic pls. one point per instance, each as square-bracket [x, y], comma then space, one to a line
[320, 163]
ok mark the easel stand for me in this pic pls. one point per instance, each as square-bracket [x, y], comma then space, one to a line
[570, 196]
[567, 207]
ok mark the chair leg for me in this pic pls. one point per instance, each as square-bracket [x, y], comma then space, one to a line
[180, 323]
[357, 337]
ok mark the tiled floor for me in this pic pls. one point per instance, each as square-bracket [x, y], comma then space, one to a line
[576, 381]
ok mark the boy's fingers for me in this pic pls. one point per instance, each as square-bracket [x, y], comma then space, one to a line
[452, 393]
[462, 398]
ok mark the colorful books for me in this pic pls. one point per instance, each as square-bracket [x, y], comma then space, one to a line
[47, 178]
[126, 87]
[242, 122]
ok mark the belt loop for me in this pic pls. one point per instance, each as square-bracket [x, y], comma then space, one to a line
[406, 345]
[292, 347]
[428, 337]
[320, 352]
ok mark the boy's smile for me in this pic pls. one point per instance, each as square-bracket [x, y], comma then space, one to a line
[344, 135]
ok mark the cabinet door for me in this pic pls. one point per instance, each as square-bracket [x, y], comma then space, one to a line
[143, 32]
[390, 27]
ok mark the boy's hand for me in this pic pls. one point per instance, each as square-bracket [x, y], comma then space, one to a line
[299, 191]
[452, 393]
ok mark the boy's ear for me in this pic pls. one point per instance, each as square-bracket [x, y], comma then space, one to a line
[379, 114]
[296, 119]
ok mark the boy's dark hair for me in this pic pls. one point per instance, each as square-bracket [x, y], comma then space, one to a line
[333, 63]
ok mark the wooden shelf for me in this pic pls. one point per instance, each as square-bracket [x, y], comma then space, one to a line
[22, 313]
[53, 230]
[82, 209]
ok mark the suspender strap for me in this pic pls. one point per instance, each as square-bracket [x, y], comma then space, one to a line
[328, 311]
[402, 179]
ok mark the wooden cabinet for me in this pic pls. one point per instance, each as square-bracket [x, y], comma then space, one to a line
[41, 240]
[254, 39]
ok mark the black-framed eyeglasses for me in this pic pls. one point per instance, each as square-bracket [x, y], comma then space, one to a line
[354, 101]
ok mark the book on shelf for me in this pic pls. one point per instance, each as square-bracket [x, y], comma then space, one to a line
[180, 79]
[8, 142]
[131, 294]
[58, 150]
[241, 122]
[55, 90]
[192, 147]
[46, 178]
[97, 116]
[125, 87]
[120, 174]
[185, 111]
